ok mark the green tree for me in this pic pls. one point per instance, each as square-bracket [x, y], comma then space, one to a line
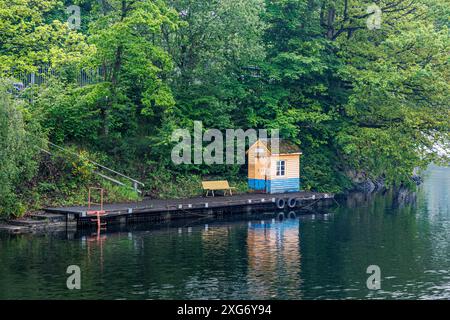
[212, 52]
[134, 65]
[128, 96]
[29, 40]
[374, 101]
[398, 106]
[20, 139]
[217, 52]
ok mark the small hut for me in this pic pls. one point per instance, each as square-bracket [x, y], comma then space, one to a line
[271, 170]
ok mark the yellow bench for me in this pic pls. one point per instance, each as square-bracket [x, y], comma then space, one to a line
[211, 186]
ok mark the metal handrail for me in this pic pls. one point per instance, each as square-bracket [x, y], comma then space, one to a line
[98, 165]
[135, 182]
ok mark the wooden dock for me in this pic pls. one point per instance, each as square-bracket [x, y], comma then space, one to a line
[190, 205]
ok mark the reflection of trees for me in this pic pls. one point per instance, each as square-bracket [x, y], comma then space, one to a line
[369, 229]
[34, 267]
[273, 260]
[435, 197]
[200, 264]
[436, 191]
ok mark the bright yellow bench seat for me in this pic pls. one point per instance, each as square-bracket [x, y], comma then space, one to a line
[211, 186]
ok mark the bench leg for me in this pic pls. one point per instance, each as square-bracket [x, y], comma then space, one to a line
[231, 193]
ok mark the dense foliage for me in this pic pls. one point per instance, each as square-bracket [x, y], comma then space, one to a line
[364, 103]
[19, 149]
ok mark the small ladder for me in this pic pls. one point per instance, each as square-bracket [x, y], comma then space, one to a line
[98, 213]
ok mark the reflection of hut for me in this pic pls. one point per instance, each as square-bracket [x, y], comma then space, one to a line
[273, 257]
[274, 166]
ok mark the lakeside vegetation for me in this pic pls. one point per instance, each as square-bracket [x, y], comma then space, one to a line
[362, 104]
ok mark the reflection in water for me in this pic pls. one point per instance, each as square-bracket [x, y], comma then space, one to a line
[250, 256]
[95, 244]
[436, 192]
[273, 249]
[435, 202]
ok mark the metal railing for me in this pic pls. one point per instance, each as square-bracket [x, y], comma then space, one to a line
[135, 182]
[83, 77]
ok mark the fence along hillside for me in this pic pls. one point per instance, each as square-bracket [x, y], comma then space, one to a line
[44, 73]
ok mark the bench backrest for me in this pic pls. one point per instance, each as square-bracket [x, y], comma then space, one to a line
[215, 185]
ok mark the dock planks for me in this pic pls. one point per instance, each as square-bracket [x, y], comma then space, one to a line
[148, 206]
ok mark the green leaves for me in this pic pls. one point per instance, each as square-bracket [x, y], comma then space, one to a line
[69, 113]
[27, 40]
[125, 41]
[19, 147]
[367, 97]
[159, 95]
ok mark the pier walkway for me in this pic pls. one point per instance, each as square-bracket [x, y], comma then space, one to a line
[149, 206]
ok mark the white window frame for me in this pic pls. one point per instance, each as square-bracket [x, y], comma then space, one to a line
[281, 168]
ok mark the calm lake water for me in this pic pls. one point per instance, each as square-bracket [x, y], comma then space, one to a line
[251, 256]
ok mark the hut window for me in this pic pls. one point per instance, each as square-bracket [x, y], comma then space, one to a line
[281, 168]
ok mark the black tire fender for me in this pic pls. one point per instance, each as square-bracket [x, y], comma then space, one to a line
[280, 203]
[292, 202]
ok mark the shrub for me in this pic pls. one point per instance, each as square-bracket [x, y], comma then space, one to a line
[19, 148]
